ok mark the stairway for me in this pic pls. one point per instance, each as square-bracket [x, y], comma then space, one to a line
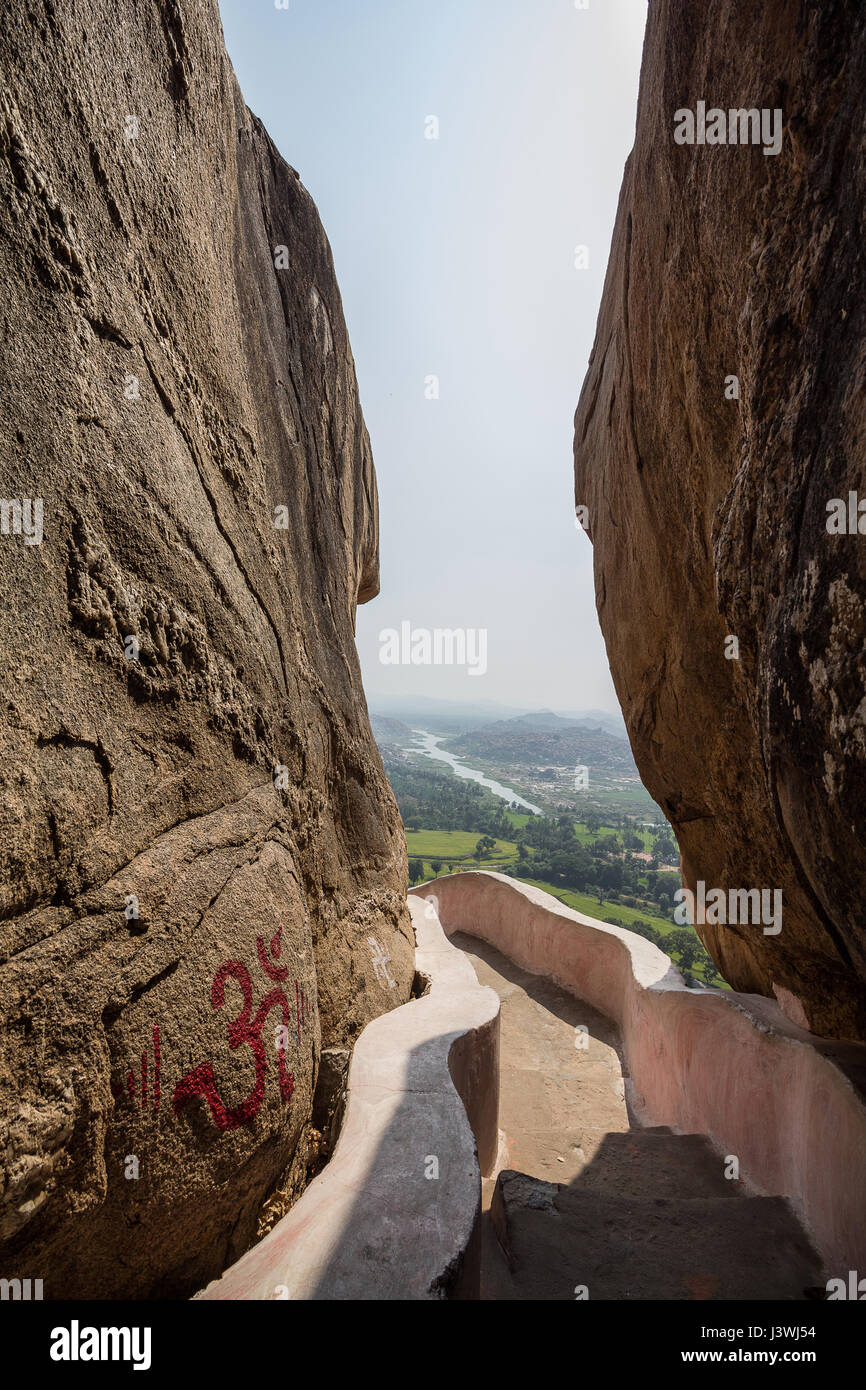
[651, 1218]
[588, 1205]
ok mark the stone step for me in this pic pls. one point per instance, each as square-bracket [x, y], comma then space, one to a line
[640, 1162]
[650, 1163]
[556, 1240]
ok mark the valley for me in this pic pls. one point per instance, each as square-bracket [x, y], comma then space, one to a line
[611, 858]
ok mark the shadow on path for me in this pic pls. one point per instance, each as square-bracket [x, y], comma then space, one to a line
[589, 1203]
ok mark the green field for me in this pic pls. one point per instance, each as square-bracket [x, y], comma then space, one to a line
[457, 848]
[518, 818]
[587, 836]
[453, 846]
[581, 832]
[591, 907]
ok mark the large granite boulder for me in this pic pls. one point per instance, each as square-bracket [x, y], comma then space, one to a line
[715, 506]
[202, 869]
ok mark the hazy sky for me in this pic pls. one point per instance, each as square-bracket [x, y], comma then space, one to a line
[456, 258]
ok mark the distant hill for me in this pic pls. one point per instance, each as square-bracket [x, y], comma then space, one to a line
[453, 717]
[544, 719]
[537, 752]
[612, 723]
[547, 721]
[421, 711]
[546, 739]
[387, 730]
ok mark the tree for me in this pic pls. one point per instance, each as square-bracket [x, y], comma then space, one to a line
[663, 844]
[684, 944]
[646, 930]
[485, 845]
[416, 870]
[436, 865]
[610, 875]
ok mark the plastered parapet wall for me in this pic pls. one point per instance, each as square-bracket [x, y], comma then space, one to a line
[395, 1213]
[788, 1105]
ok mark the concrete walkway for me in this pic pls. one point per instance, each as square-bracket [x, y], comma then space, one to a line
[591, 1205]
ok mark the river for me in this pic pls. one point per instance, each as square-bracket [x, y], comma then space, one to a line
[429, 747]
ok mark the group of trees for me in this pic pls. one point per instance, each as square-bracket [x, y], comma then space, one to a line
[433, 800]
[604, 867]
[417, 872]
[682, 944]
[547, 847]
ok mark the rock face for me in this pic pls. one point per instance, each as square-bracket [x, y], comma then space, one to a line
[709, 511]
[203, 872]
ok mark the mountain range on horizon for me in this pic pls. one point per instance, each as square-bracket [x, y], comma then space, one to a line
[458, 716]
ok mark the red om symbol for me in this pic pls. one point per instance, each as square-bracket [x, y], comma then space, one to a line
[201, 1081]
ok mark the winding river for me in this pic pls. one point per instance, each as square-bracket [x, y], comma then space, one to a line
[429, 746]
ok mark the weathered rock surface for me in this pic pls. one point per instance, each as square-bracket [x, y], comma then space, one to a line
[170, 379]
[709, 515]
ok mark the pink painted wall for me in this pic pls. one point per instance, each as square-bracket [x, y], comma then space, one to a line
[702, 1061]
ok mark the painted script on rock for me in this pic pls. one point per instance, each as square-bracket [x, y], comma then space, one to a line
[244, 1029]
